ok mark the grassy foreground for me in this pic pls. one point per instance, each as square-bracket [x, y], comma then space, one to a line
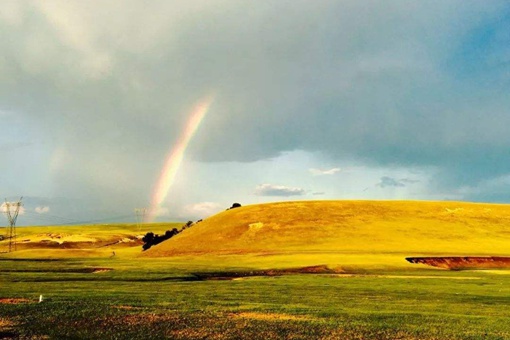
[368, 291]
[156, 299]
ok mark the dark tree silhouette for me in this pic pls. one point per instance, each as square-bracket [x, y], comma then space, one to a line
[150, 239]
[234, 205]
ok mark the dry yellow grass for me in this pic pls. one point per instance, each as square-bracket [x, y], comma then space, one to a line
[80, 240]
[348, 227]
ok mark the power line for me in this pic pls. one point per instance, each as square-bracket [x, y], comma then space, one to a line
[12, 217]
[48, 217]
[140, 216]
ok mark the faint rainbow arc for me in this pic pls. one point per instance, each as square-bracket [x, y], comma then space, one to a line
[174, 159]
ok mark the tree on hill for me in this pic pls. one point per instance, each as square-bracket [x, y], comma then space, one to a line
[150, 239]
[234, 205]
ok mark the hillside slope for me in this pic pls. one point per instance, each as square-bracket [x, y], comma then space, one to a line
[406, 227]
[79, 240]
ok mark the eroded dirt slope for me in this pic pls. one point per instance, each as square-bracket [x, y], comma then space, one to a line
[463, 262]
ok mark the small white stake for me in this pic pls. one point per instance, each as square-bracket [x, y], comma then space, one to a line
[40, 298]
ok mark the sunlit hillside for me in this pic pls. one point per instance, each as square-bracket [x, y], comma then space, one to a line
[79, 240]
[349, 227]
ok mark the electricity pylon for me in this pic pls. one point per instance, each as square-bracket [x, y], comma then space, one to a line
[12, 217]
[140, 216]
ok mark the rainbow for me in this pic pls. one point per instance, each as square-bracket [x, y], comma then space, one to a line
[174, 159]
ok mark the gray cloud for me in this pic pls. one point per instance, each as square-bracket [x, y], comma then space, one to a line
[319, 193]
[278, 190]
[393, 182]
[389, 182]
[109, 85]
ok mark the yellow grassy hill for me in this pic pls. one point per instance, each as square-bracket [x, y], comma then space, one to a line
[368, 227]
[79, 240]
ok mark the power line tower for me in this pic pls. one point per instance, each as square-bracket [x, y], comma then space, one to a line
[140, 216]
[12, 211]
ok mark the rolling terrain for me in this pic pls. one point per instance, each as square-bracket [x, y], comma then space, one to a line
[340, 232]
[80, 240]
[359, 234]
[293, 270]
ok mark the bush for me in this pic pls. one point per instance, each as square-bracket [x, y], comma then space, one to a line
[150, 239]
[234, 205]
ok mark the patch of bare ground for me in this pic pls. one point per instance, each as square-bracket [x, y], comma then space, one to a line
[6, 323]
[193, 333]
[270, 316]
[14, 301]
[463, 262]
[6, 329]
[101, 270]
[138, 319]
[319, 269]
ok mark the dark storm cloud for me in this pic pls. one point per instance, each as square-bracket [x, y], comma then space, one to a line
[379, 88]
[110, 85]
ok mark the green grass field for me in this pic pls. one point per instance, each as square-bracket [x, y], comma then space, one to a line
[159, 299]
[366, 293]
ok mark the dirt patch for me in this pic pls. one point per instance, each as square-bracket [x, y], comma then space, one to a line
[14, 301]
[61, 238]
[320, 269]
[101, 270]
[270, 316]
[6, 331]
[144, 319]
[463, 262]
[190, 333]
[6, 323]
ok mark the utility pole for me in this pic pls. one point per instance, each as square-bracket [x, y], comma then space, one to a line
[12, 217]
[140, 216]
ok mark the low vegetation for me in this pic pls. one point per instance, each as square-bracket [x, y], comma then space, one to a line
[150, 239]
[155, 299]
[295, 270]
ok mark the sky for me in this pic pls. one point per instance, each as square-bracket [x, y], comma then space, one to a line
[306, 100]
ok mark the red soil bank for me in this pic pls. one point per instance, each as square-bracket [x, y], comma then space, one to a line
[463, 262]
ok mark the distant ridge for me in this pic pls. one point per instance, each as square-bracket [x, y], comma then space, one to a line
[407, 227]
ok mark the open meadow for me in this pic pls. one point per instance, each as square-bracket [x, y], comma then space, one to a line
[343, 277]
[296, 169]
